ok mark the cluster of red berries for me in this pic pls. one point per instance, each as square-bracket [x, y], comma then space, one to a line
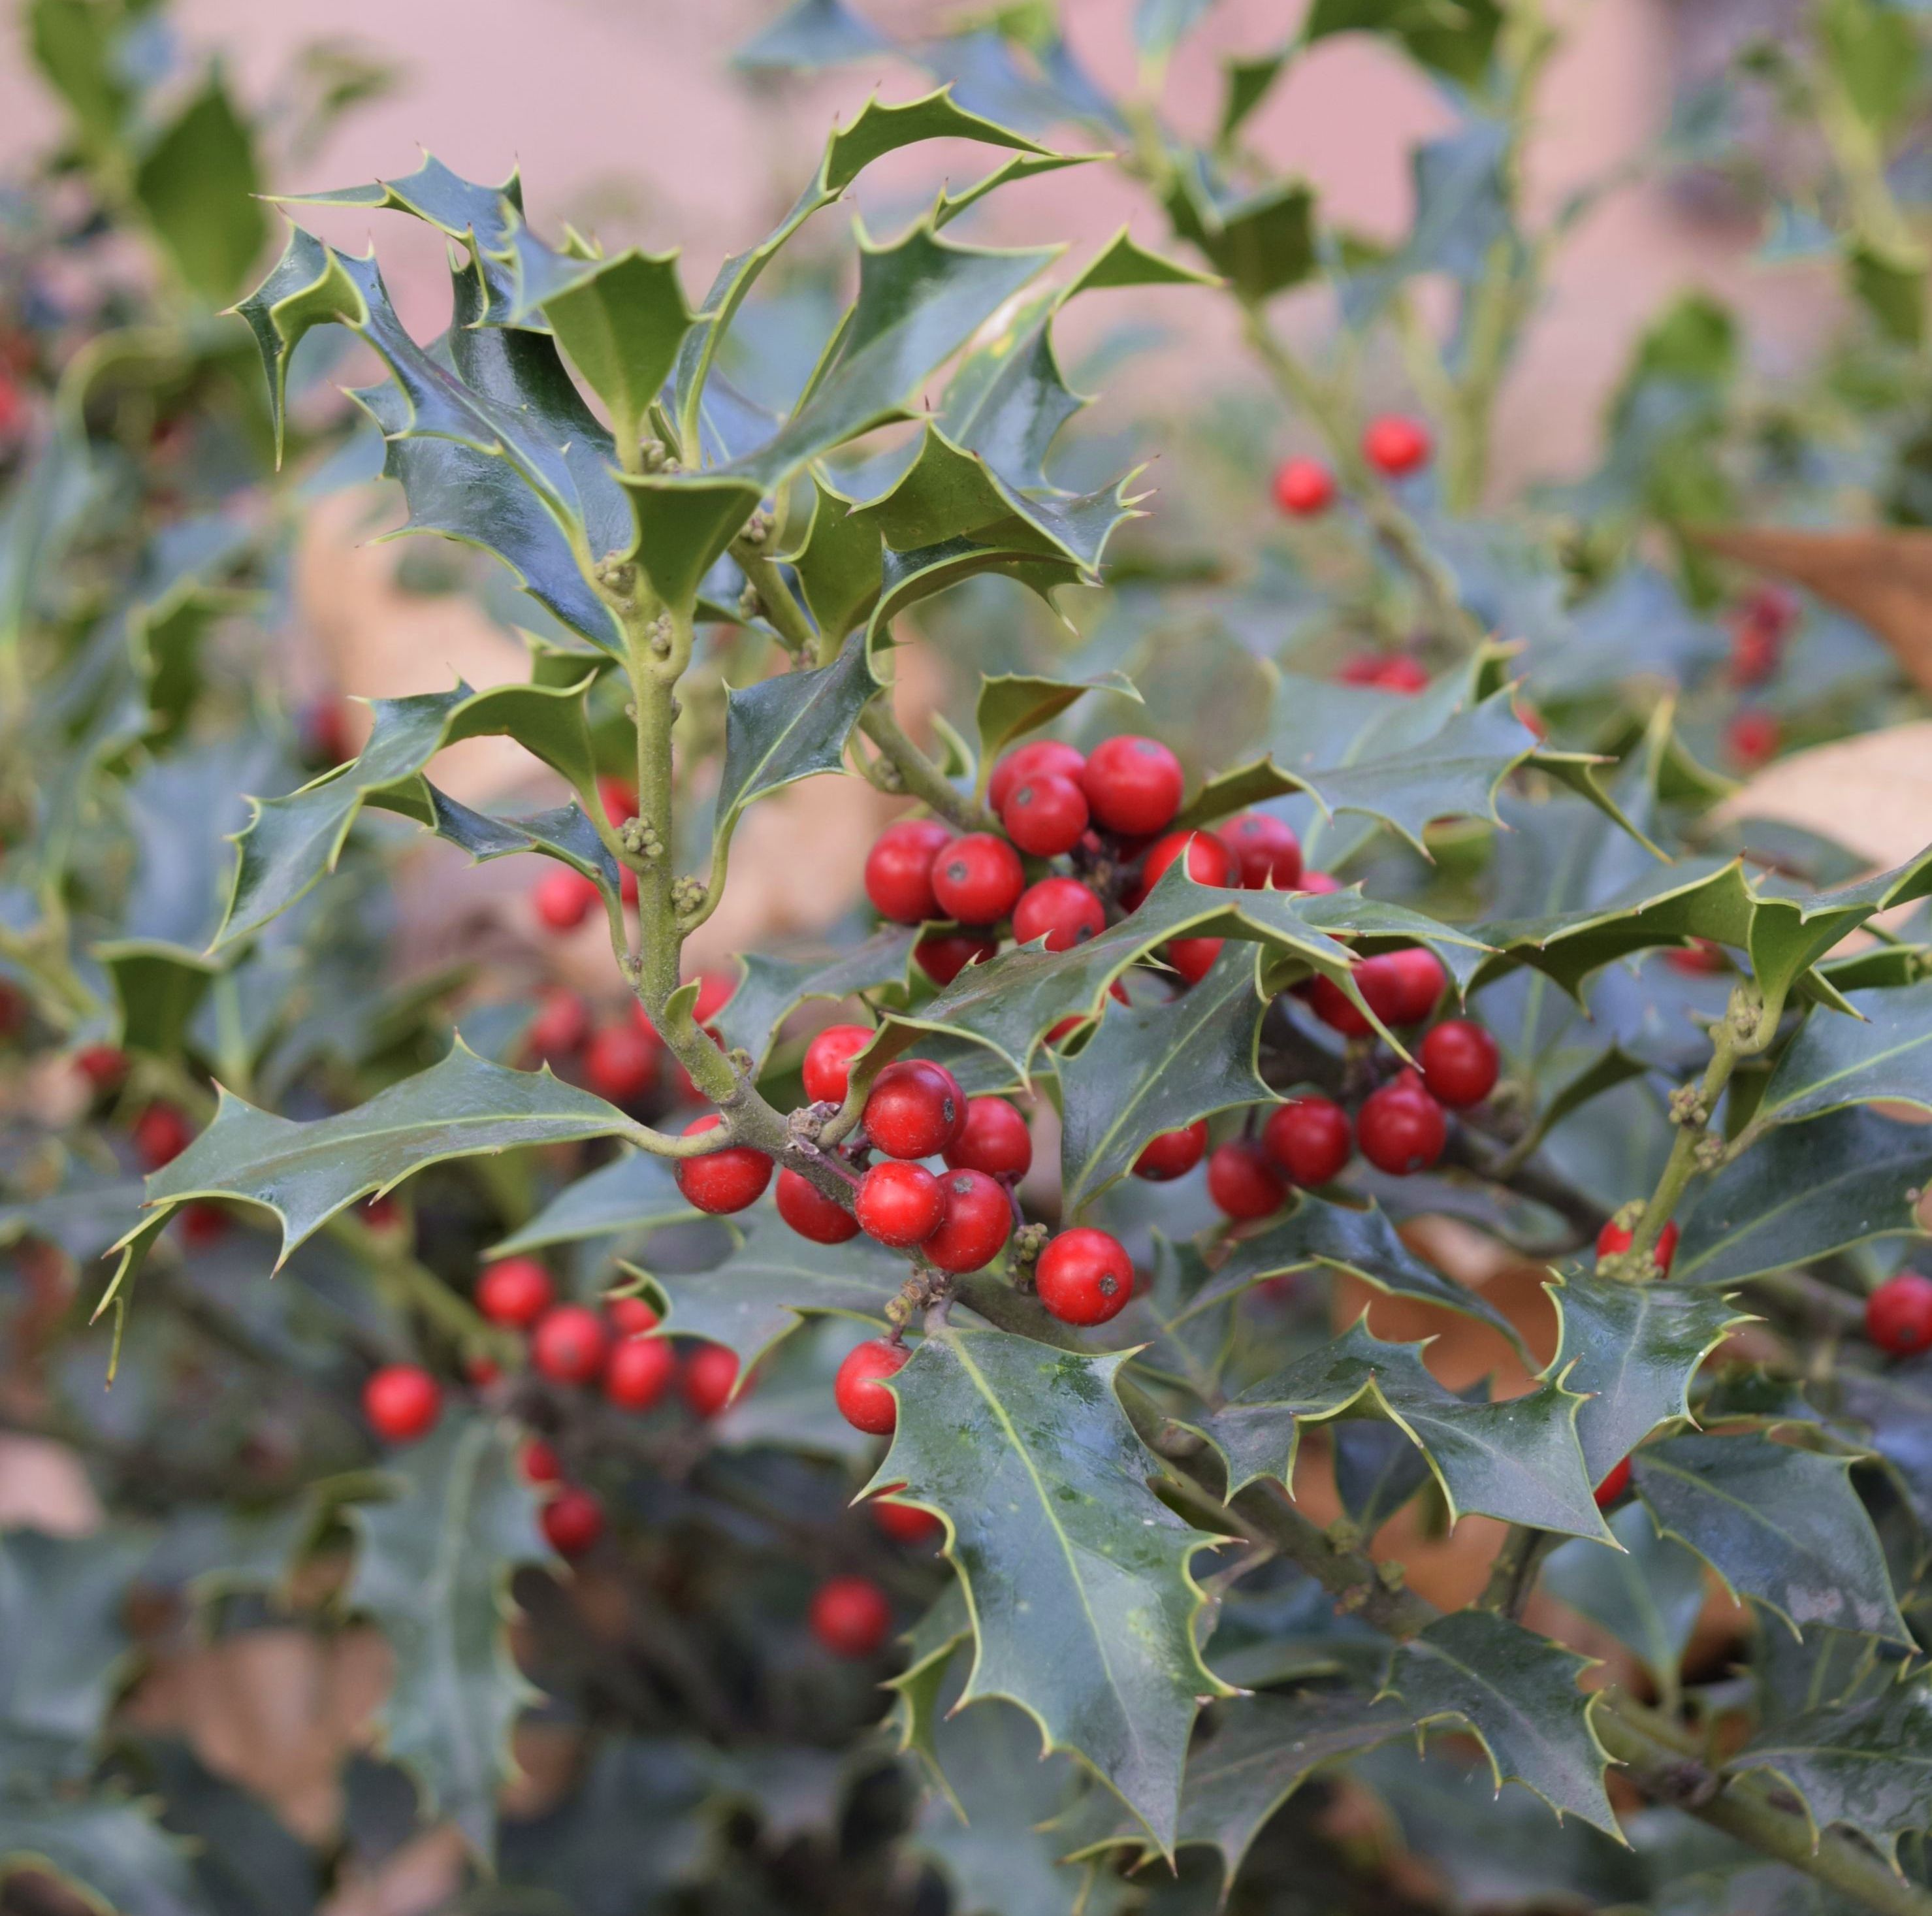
[1393, 444]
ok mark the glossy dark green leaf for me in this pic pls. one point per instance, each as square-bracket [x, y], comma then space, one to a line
[1517, 1691]
[838, 563]
[1517, 1459]
[157, 988]
[1077, 1575]
[1648, 1595]
[1261, 242]
[1835, 1061]
[930, 1646]
[1378, 1468]
[1455, 39]
[1894, 1406]
[564, 833]
[1156, 1069]
[197, 185]
[1632, 1349]
[1804, 1191]
[1782, 1527]
[771, 989]
[627, 1197]
[433, 1570]
[305, 1173]
[1011, 704]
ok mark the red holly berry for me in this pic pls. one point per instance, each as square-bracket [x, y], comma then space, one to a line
[1400, 1128]
[640, 1371]
[1419, 978]
[1614, 1485]
[811, 1213]
[1319, 883]
[515, 1292]
[621, 1064]
[1396, 444]
[850, 1616]
[1242, 1181]
[914, 1109]
[563, 898]
[1304, 488]
[1045, 758]
[994, 1139]
[1266, 851]
[722, 1182]
[828, 1060]
[1169, 1155]
[482, 1371]
[977, 1220]
[103, 1065]
[402, 1403]
[1085, 1277]
[1063, 910]
[1133, 785]
[976, 878]
[1614, 1237]
[710, 1373]
[327, 730]
[203, 1225]
[562, 1023]
[1898, 1314]
[899, 870]
[1308, 1138]
[570, 1344]
[573, 1521]
[944, 957]
[631, 1317]
[618, 797]
[161, 1134]
[1752, 738]
[905, 1523]
[1375, 978]
[1701, 957]
[1209, 861]
[1045, 815]
[540, 1462]
[899, 1204]
[1459, 1063]
[715, 991]
[1193, 958]
[858, 1390]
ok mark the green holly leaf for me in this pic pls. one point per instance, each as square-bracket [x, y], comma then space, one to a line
[1884, 1054]
[771, 989]
[1894, 1405]
[1011, 704]
[564, 833]
[1156, 1068]
[1648, 1595]
[839, 563]
[1456, 38]
[915, 1716]
[1782, 1527]
[1632, 1349]
[774, 1278]
[1261, 242]
[305, 1173]
[1076, 1574]
[1517, 1459]
[1378, 1468]
[433, 1570]
[1863, 1764]
[1517, 1692]
[291, 842]
[107, 1850]
[1804, 1191]
[158, 989]
[197, 185]
[629, 1197]
[808, 36]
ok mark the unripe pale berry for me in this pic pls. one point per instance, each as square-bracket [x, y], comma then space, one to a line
[977, 879]
[915, 1109]
[573, 1521]
[994, 1139]
[706, 1379]
[1459, 1063]
[850, 1616]
[863, 1400]
[1133, 785]
[402, 1402]
[1045, 815]
[1396, 444]
[1304, 488]
[515, 1292]
[899, 1204]
[1615, 1238]
[977, 1220]
[899, 870]
[639, 1372]
[1085, 1276]
[621, 1064]
[563, 898]
[1244, 1181]
[1266, 850]
[828, 1060]
[1046, 757]
[570, 1344]
[723, 1180]
[943, 957]
[811, 1213]
[1400, 1128]
[1170, 1154]
[1063, 910]
[1898, 1314]
[1308, 1138]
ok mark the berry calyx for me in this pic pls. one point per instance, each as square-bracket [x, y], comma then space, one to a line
[161, 1134]
[1459, 1063]
[899, 1204]
[573, 1522]
[1062, 910]
[1085, 1276]
[943, 957]
[1396, 445]
[1045, 815]
[570, 1344]
[976, 878]
[914, 1109]
[859, 1389]
[402, 1403]
[1304, 488]
[828, 1061]
[994, 1139]
[811, 1213]
[710, 1373]
[515, 1293]
[1401, 1128]
[905, 1523]
[1266, 851]
[850, 1617]
[621, 1064]
[723, 1180]
[1133, 785]
[639, 1373]
[1898, 1314]
[563, 899]
[1244, 1181]
[562, 1023]
[1613, 1485]
[973, 1228]
[1193, 958]
[899, 870]
[1170, 1154]
[1045, 758]
[1209, 861]
[1615, 1238]
[1308, 1138]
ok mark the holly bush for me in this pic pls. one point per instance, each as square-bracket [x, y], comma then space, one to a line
[1329, 1251]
